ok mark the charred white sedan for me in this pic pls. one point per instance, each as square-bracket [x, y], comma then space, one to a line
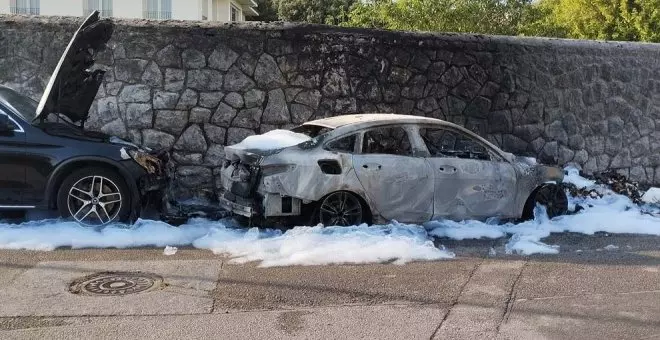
[375, 168]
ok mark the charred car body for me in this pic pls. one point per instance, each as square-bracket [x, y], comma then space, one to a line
[375, 168]
[48, 160]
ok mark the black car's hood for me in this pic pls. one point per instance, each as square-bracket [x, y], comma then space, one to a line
[68, 131]
[73, 87]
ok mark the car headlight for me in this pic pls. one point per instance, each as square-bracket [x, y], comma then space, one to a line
[145, 160]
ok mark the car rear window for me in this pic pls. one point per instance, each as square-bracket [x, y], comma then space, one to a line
[311, 130]
[344, 144]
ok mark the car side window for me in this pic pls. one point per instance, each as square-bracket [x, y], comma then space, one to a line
[447, 143]
[389, 140]
[344, 144]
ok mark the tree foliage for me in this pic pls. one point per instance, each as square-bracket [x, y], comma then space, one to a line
[632, 20]
[635, 20]
[267, 11]
[473, 16]
[332, 12]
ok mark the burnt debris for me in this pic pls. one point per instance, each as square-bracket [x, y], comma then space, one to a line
[616, 182]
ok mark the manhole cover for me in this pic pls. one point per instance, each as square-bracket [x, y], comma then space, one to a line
[116, 283]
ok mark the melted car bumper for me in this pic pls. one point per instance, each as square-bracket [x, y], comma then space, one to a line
[236, 208]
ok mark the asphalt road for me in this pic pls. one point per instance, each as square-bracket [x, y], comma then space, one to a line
[588, 291]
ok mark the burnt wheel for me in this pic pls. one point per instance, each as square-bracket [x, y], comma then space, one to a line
[552, 197]
[341, 209]
[93, 197]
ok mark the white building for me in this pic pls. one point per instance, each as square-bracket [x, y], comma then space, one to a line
[214, 10]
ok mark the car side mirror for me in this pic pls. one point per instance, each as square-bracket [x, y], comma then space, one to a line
[6, 128]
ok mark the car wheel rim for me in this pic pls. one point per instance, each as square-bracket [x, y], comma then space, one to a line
[554, 199]
[94, 200]
[341, 209]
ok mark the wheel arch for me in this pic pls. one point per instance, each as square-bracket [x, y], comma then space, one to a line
[528, 207]
[68, 166]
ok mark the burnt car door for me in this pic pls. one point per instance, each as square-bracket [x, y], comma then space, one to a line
[471, 181]
[398, 184]
[12, 161]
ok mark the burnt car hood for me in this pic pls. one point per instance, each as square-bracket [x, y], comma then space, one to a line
[73, 86]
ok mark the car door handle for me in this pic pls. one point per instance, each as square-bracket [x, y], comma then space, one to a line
[447, 169]
[372, 166]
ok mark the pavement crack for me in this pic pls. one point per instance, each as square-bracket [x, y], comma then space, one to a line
[511, 298]
[458, 297]
[217, 283]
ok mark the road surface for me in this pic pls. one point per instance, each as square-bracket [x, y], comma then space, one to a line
[588, 291]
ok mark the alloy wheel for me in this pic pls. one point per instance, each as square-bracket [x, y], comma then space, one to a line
[341, 209]
[94, 200]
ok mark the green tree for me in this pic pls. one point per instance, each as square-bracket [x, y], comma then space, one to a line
[646, 20]
[474, 16]
[332, 12]
[267, 11]
[629, 20]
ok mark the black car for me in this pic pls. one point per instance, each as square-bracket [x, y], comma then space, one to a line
[47, 158]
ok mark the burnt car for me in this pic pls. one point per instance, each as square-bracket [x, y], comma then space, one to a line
[376, 168]
[48, 159]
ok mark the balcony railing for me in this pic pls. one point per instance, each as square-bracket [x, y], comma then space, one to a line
[24, 10]
[157, 15]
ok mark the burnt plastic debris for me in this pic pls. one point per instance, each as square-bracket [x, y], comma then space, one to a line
[178, 213]
[616, 182]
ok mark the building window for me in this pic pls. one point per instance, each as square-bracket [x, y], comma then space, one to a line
[103, 6]
[205, 9]
[235, 13]
[24, 6]
[157, 9]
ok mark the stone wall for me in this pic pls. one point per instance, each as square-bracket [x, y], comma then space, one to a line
[199, 86]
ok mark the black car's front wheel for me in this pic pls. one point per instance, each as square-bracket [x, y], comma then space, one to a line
[94, 196]
[341, 209]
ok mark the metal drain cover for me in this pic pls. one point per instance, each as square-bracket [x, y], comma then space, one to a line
[116, 283]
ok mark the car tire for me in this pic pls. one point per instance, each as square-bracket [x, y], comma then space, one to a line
[552, 196]
[330, 211]
[94, 196]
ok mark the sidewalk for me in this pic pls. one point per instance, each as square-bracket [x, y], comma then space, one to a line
[614, 296]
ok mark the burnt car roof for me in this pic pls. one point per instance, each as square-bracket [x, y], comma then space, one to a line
[339, 121]
[349, 123]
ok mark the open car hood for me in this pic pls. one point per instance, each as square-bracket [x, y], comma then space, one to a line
[73, 87]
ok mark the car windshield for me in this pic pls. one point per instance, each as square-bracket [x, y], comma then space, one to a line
[26, 107]
[311, 130]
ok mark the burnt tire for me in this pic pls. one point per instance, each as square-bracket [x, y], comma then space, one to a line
[94, 196]
[341, 208]
[552, 197]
